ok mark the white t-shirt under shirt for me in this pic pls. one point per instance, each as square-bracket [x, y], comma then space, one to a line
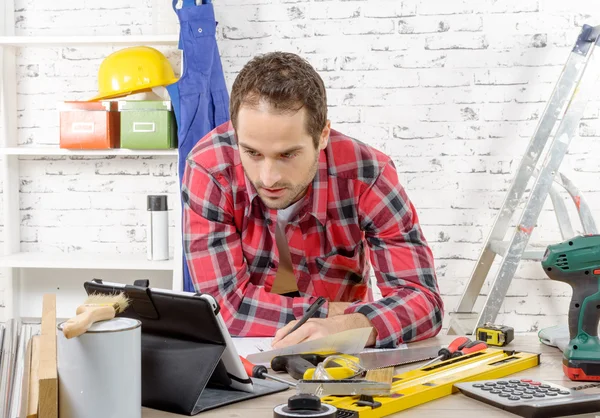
[285, 279]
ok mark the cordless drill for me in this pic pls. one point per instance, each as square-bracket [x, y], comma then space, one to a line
[577, 262]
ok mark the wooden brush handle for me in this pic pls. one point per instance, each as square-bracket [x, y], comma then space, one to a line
[78, 325]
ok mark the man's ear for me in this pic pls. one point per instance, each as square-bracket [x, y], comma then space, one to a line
[324, 140]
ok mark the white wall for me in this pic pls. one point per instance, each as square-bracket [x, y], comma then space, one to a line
[451, 89]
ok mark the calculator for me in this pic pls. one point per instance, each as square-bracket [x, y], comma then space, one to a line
[533, 398]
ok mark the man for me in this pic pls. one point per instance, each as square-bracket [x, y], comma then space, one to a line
[281, 209]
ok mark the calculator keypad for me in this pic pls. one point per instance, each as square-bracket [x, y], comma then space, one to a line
[526, 389]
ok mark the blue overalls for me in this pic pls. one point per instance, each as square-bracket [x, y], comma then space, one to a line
[200, 98]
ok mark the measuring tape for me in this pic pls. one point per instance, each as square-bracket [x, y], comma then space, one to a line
[497, 335]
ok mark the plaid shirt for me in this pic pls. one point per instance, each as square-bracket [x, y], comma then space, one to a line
[355, 213]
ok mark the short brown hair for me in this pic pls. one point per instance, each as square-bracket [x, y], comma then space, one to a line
[288, 83]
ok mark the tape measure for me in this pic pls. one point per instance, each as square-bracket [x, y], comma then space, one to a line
[498, 335]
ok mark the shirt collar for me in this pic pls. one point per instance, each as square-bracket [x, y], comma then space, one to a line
[316, 204]
[252, 193]
[317, 191]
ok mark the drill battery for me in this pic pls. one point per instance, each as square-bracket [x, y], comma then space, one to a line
[497, 335]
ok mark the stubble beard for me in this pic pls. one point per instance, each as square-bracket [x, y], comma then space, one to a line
[295, 192]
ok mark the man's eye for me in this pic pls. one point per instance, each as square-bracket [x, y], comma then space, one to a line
[252, 153]
[288, 155]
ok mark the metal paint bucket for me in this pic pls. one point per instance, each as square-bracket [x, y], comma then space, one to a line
[100, 372]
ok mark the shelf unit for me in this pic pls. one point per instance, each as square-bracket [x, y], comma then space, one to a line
[13, 259]
[84, 261]
[24, 41]
[41, 151]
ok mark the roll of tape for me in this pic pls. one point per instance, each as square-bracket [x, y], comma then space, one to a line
[304, 405]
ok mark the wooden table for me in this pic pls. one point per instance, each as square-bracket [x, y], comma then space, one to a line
[456, 405]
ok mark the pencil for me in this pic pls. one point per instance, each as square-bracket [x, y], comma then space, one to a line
[309, 314]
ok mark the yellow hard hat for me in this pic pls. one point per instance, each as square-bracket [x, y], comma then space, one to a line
[133, 69]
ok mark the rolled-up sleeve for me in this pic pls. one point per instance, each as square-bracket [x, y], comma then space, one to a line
[411, 307]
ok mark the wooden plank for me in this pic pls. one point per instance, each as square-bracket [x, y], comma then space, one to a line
[34, 379]
[48, 374]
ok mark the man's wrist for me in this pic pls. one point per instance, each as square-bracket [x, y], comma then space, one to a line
[354, 321]
[336, 308]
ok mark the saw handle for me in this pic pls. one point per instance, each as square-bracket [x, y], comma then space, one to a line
[295, 364]
[86, 316]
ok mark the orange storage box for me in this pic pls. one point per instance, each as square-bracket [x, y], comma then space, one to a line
[89, 125]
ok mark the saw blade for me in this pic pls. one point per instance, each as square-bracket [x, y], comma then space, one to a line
[344, 387]
[372, 360]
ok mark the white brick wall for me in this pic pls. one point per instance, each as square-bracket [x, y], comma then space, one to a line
[452, 90]
[80, 204]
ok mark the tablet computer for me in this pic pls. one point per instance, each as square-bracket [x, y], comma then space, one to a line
[186, 349]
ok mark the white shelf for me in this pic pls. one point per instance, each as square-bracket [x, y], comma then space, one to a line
[62, 151]
[11, 153]
[88, 40]
[84, 261]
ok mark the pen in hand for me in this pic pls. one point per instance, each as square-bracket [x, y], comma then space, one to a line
[309, 314]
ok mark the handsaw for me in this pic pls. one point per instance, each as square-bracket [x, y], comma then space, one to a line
[302, 366]
[372, 360]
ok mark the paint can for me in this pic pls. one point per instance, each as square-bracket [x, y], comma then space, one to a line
[100, 372]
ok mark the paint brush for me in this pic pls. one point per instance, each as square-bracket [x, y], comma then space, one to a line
[384, 375]
[97, 307]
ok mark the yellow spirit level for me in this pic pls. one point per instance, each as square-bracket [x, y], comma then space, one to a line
[422, 385]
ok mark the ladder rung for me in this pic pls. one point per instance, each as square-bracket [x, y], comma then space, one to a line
[575, 87]
[534, 252]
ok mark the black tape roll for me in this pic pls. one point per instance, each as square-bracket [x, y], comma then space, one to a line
[304, 405]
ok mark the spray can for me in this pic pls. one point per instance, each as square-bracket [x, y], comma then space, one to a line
[158, 228]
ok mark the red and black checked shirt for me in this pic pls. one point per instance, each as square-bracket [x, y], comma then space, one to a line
[355, 212]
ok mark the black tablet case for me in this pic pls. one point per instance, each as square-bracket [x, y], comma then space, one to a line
[182, 345]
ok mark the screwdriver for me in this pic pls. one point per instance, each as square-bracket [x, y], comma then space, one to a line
[260, 372]
[460, 346]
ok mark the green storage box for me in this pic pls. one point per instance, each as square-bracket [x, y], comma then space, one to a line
[147, 124]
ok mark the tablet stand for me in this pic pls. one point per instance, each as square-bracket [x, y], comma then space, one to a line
[182, 345]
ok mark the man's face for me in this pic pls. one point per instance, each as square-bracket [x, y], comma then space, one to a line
[278, 155]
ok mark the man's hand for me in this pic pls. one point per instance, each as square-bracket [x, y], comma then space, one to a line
[321, 327]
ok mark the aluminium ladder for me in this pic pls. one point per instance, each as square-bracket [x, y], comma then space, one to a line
[576, 84]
